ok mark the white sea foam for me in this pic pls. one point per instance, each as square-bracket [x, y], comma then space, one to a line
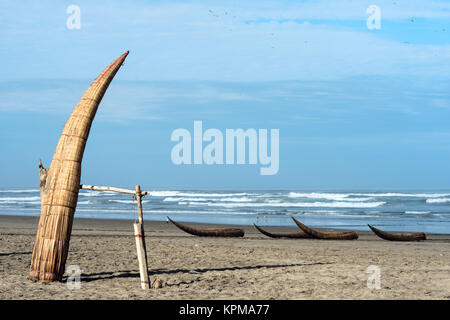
[9, 203]
[19, 191]
[19, 199]
[345, 196]
[273, 201]
[196, 212]
[95, 193]
[417, 212]
[395, 194]
[193, 194]
[128, 201]
[206, 212]
[176, 199]
[29, 200]
[327, 196]
[317, 195]
[232, 199]
[236, 199]
[335, 204]
[90, 193]
[441, 200]
[104, 210]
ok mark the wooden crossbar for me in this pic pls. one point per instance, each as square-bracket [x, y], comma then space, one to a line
[113, 189]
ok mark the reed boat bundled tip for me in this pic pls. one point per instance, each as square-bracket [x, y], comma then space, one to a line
[210, 232]
[297, 235]
[326, 235]
[398, 236]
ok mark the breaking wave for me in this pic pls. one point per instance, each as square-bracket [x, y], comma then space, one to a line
[193, 194]
[176, 199]
[128, 201]
[442, 200]
[394, 194]
[327, 196]
[19, 191]
[335, 204]
[19, 199]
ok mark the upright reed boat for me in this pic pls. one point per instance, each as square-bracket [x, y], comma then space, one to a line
[60, 184]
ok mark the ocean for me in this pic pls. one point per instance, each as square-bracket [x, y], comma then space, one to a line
[392, 211]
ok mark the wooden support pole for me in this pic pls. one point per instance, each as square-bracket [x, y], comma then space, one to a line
[142, 243]
[43, 179]
[142, 255]
[139, 204]
[139, 232]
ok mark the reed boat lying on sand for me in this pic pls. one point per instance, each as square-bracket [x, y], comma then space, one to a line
[329, 235]
[409, 236]
[297, 235]
[210, 232]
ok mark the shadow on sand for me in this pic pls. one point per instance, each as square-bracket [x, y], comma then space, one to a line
[13, 253]
[88, 277]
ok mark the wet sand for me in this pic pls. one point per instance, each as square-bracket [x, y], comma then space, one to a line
[253, 267]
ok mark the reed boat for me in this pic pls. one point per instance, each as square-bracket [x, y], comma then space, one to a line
[297, 235]
[398, 236]
[60, 183]
[210, 232]
[326, 235]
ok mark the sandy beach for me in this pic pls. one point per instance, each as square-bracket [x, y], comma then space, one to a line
[253, 267]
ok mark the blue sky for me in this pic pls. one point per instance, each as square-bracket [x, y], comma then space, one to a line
[356, 108]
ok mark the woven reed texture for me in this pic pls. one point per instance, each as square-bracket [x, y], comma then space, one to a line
[330, 235]
[296, 235]
[398, 236]
[60, 192]
[211, 232]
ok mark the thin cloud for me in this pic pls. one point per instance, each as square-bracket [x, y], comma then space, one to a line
[184, 41]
